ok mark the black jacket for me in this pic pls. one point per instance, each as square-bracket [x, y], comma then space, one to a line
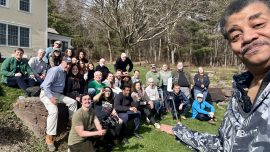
[122, 103]
[104, 70]
[122, 65]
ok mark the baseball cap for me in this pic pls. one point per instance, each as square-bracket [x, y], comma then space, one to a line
[153, 65]
[57, 42]
[199, 95]
[67, 59]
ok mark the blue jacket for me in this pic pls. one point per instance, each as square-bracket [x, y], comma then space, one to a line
[199, 108]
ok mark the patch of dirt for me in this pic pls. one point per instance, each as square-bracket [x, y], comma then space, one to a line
[13, 135]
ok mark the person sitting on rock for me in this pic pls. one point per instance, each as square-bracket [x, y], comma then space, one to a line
[85, 128]
[38, 66]
[17, 72]
[51, 93]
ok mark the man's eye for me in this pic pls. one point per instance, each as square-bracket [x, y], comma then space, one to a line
[235, 37]
[259, 25]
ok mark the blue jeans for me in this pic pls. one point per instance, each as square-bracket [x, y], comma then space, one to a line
[129, 115]
[23, 82]
[204, 92]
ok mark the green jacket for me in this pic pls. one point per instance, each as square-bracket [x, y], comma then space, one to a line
[8, 68]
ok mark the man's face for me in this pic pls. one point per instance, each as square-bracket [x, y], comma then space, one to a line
[18, 54]
[102, 62]
[165, 67]
[66, 66]
[249, 34]
[56, 45]
[41, 54]
[180, 66]
[176, 89]
[200, 99]
[118, 74]
[126, 91]
[86, 101]
[98, 77]
[123, 58]
[153, 69]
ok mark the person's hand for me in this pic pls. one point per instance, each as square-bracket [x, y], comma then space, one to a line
[171, 97]
[78, 99]
[180, 106]
[101, 132]
[18, 74]
[32, 76]
[42, 76]
[120, 121]
[202, 86]
[151, 103]
[133, 109]
[211, 114]
[53, 100]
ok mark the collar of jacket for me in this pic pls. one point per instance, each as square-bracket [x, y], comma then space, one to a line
[241, 84]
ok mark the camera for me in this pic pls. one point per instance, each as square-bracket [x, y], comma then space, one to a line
[110, 121]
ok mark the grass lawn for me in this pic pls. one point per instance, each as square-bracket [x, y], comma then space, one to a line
[154, 140]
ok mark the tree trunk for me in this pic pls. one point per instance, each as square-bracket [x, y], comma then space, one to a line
[172, 54]
[159, 50]
[109, 45]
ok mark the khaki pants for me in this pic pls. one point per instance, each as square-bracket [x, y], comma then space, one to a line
[53, 110]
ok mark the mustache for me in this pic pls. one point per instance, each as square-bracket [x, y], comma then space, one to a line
[255, 43]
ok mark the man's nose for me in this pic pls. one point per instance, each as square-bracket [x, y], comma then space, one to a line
[249, 35]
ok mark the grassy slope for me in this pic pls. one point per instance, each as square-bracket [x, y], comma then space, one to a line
[153, 140]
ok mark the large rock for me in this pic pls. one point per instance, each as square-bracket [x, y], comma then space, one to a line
[33, 114]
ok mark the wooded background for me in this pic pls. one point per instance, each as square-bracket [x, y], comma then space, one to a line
[164, 31]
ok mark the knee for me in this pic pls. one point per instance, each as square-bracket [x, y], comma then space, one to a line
[52, 110]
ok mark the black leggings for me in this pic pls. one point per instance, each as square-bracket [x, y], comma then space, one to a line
[149, 113]
[203, 117]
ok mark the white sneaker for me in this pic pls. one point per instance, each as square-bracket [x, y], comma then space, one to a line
[157, 125]
[147, 120]
[21, 97]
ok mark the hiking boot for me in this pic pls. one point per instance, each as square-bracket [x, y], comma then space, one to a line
[212, 122]
[157, 125]
[183, 117]
[50, 142]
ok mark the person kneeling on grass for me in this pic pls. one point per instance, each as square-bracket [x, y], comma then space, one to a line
[85, 126]
[179, 103]
[199, 111]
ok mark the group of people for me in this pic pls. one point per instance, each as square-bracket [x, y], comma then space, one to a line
[110, 100]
